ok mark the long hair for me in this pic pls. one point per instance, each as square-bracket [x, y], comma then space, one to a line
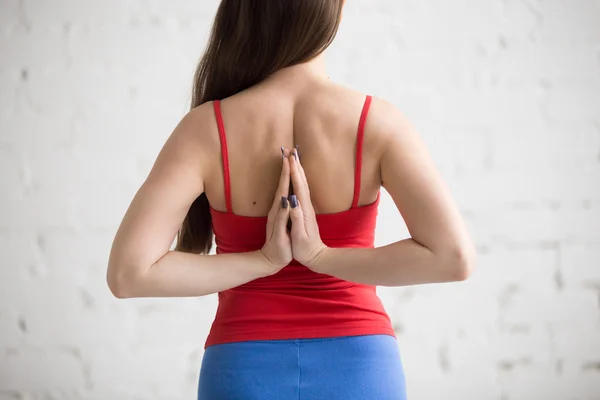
[249, 41]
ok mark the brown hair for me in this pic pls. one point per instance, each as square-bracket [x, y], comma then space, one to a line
[250, 40]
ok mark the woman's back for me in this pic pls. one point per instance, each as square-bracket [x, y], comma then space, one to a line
[328, 123]
[320, 117]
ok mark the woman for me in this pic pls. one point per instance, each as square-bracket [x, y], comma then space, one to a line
[286, 168]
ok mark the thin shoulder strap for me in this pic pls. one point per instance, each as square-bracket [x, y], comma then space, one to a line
[222, 136]
[359, 147]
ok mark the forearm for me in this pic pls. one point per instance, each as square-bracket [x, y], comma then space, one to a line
[180, 274]
[399, 264]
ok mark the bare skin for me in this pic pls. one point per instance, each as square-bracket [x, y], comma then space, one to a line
[296, 106]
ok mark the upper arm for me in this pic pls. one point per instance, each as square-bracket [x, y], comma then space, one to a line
[419, 192]
[158, 209]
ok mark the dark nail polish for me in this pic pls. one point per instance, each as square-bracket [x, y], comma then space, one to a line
[294, 201]
[298, 151]
[284, 202]
[282, 152]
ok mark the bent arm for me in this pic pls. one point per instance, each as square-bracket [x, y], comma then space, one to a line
[439, 249]
[141, 263]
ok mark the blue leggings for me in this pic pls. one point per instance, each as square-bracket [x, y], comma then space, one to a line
[350, 367]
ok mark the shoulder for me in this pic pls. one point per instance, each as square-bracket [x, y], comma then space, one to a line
[197, 129]
[385, 122]
[388, 125]
[386, 119]
[383, 116]
[199, 123]
[194, 140]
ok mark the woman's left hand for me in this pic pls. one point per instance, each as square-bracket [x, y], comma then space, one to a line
[307, 245]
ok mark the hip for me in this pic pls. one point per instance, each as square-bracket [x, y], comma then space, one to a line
[348, 367]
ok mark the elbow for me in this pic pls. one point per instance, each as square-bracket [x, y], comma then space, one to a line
[462, 261]
[121, 284]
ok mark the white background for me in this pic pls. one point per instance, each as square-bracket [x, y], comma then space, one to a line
[506, 94]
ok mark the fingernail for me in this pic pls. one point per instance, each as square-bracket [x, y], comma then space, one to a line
[284, 202]
[282, 152]
[294, 201]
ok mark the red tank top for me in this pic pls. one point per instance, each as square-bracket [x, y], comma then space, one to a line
[297, 302]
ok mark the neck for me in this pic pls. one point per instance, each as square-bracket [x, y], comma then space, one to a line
[313, 69]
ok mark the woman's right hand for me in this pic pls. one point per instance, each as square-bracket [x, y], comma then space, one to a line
[277, 249]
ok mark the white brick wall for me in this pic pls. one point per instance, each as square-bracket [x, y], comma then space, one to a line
[506, 93]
